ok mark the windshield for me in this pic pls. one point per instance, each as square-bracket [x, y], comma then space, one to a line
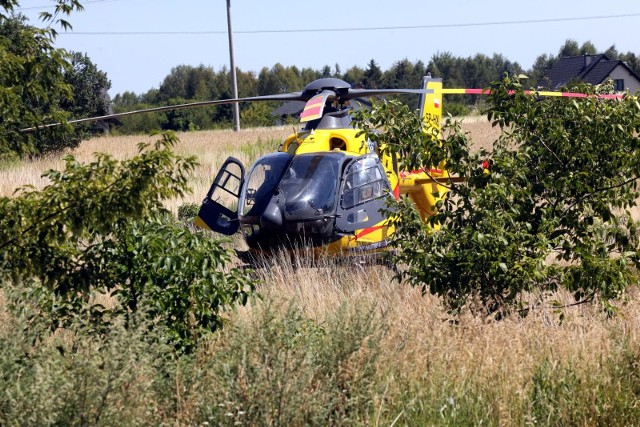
[261, 183]
[310, 185]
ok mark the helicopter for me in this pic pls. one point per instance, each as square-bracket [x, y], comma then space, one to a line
[327, 188]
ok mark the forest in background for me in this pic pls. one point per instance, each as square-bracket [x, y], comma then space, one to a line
[188, 83]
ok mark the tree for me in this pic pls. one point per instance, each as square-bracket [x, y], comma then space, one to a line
[279, 79]
[43, 85]
[32, 86]
[354, 75]
[547, 207]
[90, 86]
[338, 72]
[400, 75]
[612, 52]
[192, 83]
[372, 76]
[126, 99]
[447, 67]
[632, 60]
[540, 68]
[569, 48]
[588, 48]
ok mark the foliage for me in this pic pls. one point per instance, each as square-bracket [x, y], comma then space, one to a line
[372, 76]
[282, 368]
[90, 86]
[99, 228]
[175, 274]
[31, 88]
[545, 208]
[258, 114]
[187, 212]
[40, 84]
[456, 109]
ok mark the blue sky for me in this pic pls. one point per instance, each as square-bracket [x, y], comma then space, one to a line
[140, 62]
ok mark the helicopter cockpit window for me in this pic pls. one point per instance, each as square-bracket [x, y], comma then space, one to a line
[310, 185]
[365, 180]
[261, 183]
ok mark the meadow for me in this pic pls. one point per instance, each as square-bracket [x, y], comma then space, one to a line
[327, 344]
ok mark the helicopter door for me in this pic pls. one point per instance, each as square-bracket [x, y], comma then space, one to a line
[219, 209]
[365, 191]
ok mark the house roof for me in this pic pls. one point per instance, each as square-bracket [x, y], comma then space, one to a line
[592, 69]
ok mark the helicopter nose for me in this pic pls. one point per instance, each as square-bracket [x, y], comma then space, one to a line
[271, 218]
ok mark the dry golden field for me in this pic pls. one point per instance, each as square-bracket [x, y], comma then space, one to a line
[420, 346]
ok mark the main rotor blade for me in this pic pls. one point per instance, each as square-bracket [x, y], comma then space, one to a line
[315, 106]
[294, 96]
[365, 93]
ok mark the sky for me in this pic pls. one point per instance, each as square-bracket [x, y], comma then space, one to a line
[316, 33]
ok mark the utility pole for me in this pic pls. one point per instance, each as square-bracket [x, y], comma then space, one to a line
[234, 82]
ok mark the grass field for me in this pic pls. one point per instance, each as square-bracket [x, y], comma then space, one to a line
[330, 344]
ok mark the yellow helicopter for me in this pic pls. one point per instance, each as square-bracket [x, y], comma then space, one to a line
[327, 187]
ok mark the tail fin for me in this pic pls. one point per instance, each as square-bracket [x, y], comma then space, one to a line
[431, 103]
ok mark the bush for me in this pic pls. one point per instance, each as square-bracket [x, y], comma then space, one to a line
[546, 207]
[100, 228]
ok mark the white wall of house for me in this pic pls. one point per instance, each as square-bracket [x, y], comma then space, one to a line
[630, 82]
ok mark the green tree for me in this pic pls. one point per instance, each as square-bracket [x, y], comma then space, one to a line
[354, 75]
[632, 60]
[90, 86]
[588, 48]
[338, 71]
[41, 84]
[326, 72]
[547, 207]
[612, 52]
[372, 76]
[126, 99]
[447, 67]
[99, 227]
[569, 48]
[258, 114]
[400, 75]
[540, 68]
[279, 79]
[32, 86]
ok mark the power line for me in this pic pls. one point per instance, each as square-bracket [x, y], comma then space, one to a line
[353, 29]
[50, 6]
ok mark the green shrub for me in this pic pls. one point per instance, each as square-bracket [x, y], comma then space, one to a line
[546, 207]
[187, 212]
[100, 228]
[456, 109]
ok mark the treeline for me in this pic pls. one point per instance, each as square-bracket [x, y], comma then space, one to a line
[188, 83]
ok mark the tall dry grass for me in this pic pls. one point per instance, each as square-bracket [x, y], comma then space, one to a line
[424, 347]
[211, 148]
